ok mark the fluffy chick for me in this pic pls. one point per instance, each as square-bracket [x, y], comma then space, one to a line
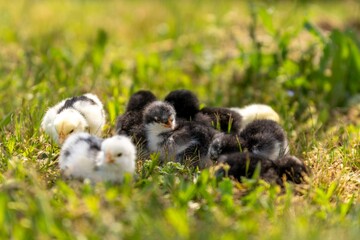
[77, 114]
[253, 112]
[84, 156]
[176, 142]
[139, 100]
[187, 108]
[263, 137]
[159, 120]
[244, 164]
[131, 122]
[267, 138]
[185, 103]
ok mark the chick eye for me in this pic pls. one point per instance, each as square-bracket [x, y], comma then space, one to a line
[71, 131]
[119, 155]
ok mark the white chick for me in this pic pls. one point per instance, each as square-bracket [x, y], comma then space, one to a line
[77, 114]
[253, 112]
[84, 156]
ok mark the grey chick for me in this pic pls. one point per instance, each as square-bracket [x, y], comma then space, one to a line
[263, 137]
[176, 142]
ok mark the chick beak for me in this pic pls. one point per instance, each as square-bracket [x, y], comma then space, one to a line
[62, 138]
[109, 158]
[169, 123]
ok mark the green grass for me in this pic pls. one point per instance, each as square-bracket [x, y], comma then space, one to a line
[301, 58]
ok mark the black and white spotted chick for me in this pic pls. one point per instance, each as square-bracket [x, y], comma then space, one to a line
[131, 122]
[187, 107]
[86, 156]
[83, 113]
[176, 142]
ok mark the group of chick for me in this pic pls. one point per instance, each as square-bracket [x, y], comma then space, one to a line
[76, 124]
[176, 129]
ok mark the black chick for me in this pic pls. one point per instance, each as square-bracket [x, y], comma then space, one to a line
[267, 138]
[139, 100]
[176, 142]
[192, 141]
[187, 107]
[244, 164]
[185, 102]
[293, 169]
[131, 122]
[263, 137]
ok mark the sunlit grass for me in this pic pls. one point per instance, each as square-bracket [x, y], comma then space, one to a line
[229, 54]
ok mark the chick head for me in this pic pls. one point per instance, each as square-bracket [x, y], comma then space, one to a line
[160, 113]
[69, 121]
[119, 151]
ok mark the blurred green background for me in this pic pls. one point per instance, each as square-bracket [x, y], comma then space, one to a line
[292, 55]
